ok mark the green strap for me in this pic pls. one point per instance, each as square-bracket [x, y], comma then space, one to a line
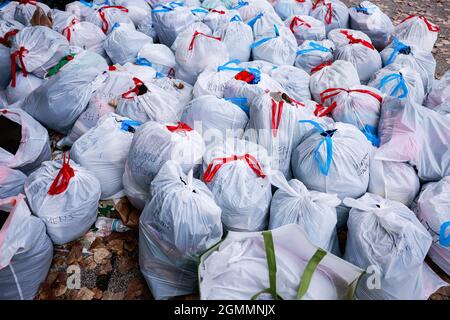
[272, 266]
[54, 70]
[309, 271]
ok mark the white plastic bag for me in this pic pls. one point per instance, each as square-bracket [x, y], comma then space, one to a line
[169, 20]
[311, 54]
[25, 10]
[337, 74]
[305, 28]
[147, 102]
[414, 57]
[357, 105]
[176, 88]
[180, 222]
[333, 13]
[103, 150]
[415, 134]
[137, 9]
[295, 81]
[8, 10]
[368, 18]
[33, 143]
[124, 43]
[334, 161]
[137, 195]
[288, 8]
[433, 210]
[278, 46]
[212, 81]
[386, 235]
[65, 196]
[107, 16]
[26, 251]
[236, 173]
[417, 30]
[217, 118]
[356, 47]
[238, 37]
[439, 95]
[60, 100]
[274, 265]
[195, 52]
[5, 62]
[401, 82]
[157, 56]
[155, 143]
[314, 211]
[263, 24]
[393, 180]
[36, 50]
[85, 35]
[11, 182]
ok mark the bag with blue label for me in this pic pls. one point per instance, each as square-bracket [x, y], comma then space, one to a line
[238, 37]
[103, 150]
[433, 210]
[334, 159]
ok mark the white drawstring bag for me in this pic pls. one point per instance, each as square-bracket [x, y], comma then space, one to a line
[196, 26]
[276, 264]
[107, 16]
[147, 102]
[157, 56]
[333, 13]
[169, 20]
[11, 182]
[238, 37]
[177, 88]
[60, 100]
[155, 143]
[135, 194]
[356, 47]
[396, 181]
[386, 235]
[417, 30]
[305, 28]
[26, 143]
[124, 43]
[26, 251]
[251, 8]
[278, 47]
[197, 51]
[85, 35]
[25, 11]
[311, 54]
[368, 18]
[414, 57]
[439, 95]
[8, 28]
[236, 171]
[263, 24]
[36, 50]
[82, 9]
[212, 81]
[289, 8]
[217, 19]
[433, 210]
[334, 161]
[263, 66]
[314, 211]
[337, 74]
[216, 119]
[65, 196]
[178, 224]
[415, 134]
[400, 82]
[103, 151]
[61, 19]
[295, 81]
[274, 125]
[357, 105]
[24, 86]
[5, 62]
[138, 10]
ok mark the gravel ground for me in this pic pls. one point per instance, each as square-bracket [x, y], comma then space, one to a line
[109, 266]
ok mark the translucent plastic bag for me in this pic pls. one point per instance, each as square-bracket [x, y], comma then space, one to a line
[11, 182]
